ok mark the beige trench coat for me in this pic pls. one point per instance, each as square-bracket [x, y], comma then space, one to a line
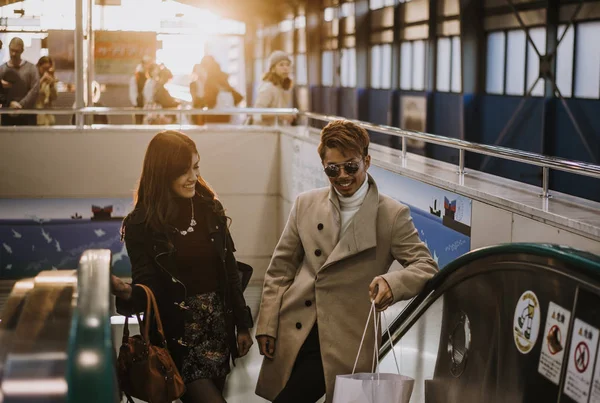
[271, 96]
[310, 264]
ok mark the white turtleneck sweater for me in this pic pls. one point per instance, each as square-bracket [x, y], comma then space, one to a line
[350, 205]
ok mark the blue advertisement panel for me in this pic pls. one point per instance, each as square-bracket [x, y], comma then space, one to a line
[442, 218]
[47, 234]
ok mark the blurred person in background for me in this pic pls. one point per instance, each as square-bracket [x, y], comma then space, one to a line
[98, 119]
[275, 91]
[23, 90]
[47, 93]
[210, 89]
[160, 98]
[2, 93]
[136, 85]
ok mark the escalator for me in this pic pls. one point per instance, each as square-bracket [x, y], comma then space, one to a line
[55, 336]
[509, 323]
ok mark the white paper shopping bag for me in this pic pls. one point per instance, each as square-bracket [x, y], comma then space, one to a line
[373, 387]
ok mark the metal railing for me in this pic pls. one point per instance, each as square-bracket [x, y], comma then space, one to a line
[91, 365]
[525, 157]
[97, 110]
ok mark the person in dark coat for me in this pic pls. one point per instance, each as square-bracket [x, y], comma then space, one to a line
[211, 89]
[178, 241]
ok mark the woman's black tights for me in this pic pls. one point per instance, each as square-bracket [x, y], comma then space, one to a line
[205, 391]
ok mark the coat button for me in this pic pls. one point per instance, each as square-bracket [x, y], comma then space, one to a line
[318, 252]
[320, 226]
[298, 325]
[173, 279]
[308, 303]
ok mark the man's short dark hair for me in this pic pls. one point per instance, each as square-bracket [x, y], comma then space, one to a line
[345, 136]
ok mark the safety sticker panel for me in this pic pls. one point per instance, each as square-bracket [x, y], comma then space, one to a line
[553, 344]
[582, 355]
[526, 322]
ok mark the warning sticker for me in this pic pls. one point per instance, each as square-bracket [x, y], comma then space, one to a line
[595, 394]
[526, 322]
[553, 345]
[582, 355]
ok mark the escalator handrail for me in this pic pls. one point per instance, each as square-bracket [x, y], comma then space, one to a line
[91, 365]
[582, 263]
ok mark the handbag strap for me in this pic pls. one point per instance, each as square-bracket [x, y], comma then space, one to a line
[145, 330]
[150, 307]
[125, 330]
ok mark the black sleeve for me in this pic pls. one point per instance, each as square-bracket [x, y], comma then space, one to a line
[165, 99]
[241, 312]
[142, 269]
[3, 100]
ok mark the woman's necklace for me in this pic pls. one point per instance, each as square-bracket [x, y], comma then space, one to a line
[192, 222]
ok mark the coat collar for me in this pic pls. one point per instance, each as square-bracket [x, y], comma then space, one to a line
[362, 231]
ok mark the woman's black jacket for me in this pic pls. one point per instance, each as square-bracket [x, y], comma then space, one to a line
[153, 264]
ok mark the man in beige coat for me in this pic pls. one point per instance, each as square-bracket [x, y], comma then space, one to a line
[332, 259]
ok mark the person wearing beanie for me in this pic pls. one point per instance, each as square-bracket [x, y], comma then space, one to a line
[275, 90]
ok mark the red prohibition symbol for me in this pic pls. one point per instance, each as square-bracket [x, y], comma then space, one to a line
[582, 357]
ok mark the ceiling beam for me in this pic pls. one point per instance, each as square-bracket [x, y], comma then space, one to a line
[246, 10]
[7, 2]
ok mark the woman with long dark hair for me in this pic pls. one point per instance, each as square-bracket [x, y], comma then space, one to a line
[179, 245]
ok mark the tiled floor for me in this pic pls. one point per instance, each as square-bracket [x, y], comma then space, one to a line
[242, 380]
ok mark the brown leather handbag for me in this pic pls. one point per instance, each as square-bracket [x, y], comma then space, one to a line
[145, 371]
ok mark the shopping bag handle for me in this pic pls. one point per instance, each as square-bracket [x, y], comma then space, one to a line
[387, 327]
[373, 311]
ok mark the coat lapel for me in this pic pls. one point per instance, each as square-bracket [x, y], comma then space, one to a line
[362, 232]
[333, 218]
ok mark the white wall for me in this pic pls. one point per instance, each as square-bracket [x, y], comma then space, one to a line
[300, 170]
[257, 173]
[492, 225]
[241, 165]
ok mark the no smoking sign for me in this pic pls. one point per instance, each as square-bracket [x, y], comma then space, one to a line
[581, 361]
[582, 357]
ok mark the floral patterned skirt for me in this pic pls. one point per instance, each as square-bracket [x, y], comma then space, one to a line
[206, 337]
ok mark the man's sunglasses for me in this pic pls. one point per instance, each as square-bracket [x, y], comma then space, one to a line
[333, 170]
